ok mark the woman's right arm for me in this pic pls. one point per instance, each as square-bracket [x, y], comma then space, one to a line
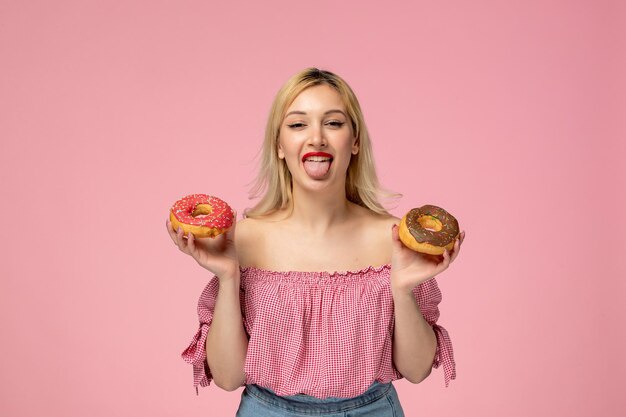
[226, 342]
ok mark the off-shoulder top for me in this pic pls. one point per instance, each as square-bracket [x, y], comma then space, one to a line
[323, 334]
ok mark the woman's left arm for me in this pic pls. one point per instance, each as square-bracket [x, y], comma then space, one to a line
[414, 341]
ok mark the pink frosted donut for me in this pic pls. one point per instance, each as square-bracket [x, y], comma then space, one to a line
[201, 214]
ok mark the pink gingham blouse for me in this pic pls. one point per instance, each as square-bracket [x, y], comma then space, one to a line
[324, 334]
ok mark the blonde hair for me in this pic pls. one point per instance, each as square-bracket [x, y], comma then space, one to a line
[274, 179]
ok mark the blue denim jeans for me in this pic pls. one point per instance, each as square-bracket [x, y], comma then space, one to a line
[380, 400]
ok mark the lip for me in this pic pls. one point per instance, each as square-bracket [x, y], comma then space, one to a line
[324, 154]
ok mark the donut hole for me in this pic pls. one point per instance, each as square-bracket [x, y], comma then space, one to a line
[202, 210]
[430, 223]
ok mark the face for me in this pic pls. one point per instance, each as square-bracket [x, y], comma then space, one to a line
[316, 139]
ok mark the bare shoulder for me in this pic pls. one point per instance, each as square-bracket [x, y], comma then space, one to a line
[374, 235]
[372, 221]
[242, 231]
[381, 225]
[247, 232]
[252, 240]
[388, 220]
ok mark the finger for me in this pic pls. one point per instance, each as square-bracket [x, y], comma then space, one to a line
[395, 232]
[181, 240]
[230, 233]
[170, 231]
[191, 244]
[446, 258]
[455, 252]
[446, 261]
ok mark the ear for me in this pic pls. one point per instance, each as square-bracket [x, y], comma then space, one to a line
[281, 154]
[355, 146]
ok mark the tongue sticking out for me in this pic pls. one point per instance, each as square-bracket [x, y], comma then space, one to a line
[316, 169]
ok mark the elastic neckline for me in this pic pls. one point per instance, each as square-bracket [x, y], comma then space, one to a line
[291, 272]
[313, 276]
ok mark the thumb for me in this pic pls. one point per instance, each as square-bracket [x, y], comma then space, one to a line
[230, 233]
[395, 237]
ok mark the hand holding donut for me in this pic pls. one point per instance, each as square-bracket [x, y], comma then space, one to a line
[416, 260]
[215, 253]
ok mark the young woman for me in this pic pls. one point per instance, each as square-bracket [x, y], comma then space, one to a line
[315, 305]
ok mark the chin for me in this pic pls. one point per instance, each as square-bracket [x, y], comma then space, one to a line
[308, 183]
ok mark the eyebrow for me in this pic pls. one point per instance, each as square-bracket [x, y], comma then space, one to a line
[325, 113]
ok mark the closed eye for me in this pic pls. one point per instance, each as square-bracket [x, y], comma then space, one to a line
[335, 123]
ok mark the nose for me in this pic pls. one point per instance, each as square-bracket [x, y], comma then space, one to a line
[317, 138]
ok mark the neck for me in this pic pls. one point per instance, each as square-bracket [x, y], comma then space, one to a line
[319, 211]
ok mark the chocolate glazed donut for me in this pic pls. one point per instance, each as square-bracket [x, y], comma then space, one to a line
[429, 229]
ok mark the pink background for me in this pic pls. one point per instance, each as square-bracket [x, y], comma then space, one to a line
[509, 114]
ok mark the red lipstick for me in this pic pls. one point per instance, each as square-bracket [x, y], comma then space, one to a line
[323, 154]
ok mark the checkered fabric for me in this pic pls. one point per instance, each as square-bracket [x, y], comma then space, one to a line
[324, 334]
